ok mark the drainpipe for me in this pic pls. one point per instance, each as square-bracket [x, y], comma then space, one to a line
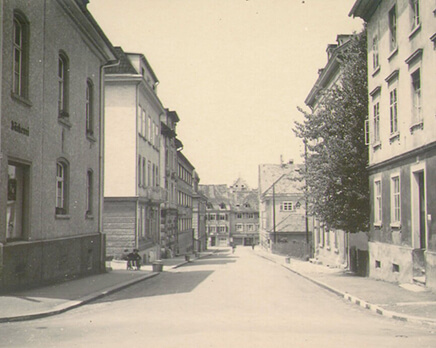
[101, 160]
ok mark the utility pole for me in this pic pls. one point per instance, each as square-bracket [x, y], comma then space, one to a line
[274, 212]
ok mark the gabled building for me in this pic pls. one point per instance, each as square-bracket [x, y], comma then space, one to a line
[401, 138]
[51, 141]
[284, 228]
[133, 193]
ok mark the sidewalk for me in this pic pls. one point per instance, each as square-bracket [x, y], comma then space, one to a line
[406, 302]
[61, 297]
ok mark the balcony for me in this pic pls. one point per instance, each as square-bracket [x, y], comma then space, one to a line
[154, 193]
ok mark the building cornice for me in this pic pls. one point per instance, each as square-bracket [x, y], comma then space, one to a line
[364, 9]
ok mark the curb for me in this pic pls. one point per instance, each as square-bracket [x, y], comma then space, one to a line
[64, 307]
[186, 262]
[357, 301]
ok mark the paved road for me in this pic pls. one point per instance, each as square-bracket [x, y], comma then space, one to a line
[226, 300]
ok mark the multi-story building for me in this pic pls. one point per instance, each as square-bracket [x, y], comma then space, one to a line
[51, 132]
[401, 138]
[332, 246]
[199, 201]
[284, 228]
[232, 214]
[185, 192]
[169, 173]
[133, 193]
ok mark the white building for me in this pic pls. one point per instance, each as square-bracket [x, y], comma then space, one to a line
[402, 138]
[132, 188]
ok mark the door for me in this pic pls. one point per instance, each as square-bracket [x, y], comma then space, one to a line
[16, 201]
[422, 217]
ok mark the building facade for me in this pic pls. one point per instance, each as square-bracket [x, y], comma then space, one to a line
[284, 228]
[185, 193]
[332, 246]
[50, 159]
[199, 202]
[132, 190]
[401, 138]
[169, 173]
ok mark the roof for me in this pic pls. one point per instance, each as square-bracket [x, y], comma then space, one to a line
[285, 178]
[329, 70]
[125, 66]
[364, 9]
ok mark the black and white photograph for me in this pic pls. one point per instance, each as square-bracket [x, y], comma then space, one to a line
[217, 173]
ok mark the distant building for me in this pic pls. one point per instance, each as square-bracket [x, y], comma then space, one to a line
[53, 58]
[232, 214]
[199, 202]
[284, 228]
[185, 194]
[401, 138]
[133, 193]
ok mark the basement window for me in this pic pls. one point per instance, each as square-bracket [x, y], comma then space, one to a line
[395, 268]
[377, 264]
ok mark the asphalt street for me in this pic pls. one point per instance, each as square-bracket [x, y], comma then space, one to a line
[225, 300]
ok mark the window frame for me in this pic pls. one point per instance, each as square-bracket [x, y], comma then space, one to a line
[376, 122]
[89, 107]
[416, 16]
[393, 110]
[378, 202]
[89, 192]
[20, 73]
[395, 200]
[416, 96]
[63, 85]
[62, 187]
[393, 43]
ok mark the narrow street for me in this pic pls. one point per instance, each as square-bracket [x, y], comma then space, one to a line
[225, 300]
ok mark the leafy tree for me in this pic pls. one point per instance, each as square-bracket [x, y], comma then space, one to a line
[336, 158]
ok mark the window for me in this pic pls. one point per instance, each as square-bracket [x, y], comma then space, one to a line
[377, 202]
[143, 171]
[239, 227]
[139, 171]
[416, 97]
[61, 188]
[250, 227]
[63, 85]
[89, 108]
[89, 185]
[393, 111]
[286, 206]
[377, 122]
[375, 58]
[239, 216]
[20, 56]
[395, 200]
[416, 20]
[393, 28]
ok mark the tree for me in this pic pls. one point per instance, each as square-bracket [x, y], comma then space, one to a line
[336, 178]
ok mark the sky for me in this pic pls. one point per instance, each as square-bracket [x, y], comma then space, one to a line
[235, 71]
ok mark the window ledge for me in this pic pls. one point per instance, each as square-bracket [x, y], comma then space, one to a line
[395, 225]
[62, 217]
[321, 246]
[376, 71]
[414, 31]
[376, 145]
[328, 248]
[336, 251]
[64, 121]
[394, 137]
[378, 225]
[21, 99]
[416, 126]
[89, 216]
[393, 54]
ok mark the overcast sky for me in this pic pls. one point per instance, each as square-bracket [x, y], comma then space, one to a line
[234, 70]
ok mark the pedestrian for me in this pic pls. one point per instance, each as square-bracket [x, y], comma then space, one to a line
[233, 248]
[252, 246]
[130, 257]
[136, 259]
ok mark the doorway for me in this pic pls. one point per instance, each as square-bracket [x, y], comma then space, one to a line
[419, 222]
[17, 201]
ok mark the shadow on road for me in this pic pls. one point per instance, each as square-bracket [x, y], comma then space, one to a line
[167, 283]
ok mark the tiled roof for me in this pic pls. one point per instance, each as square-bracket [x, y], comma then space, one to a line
[125, 67]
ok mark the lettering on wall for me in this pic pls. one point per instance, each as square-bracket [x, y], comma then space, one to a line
[17, 127]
